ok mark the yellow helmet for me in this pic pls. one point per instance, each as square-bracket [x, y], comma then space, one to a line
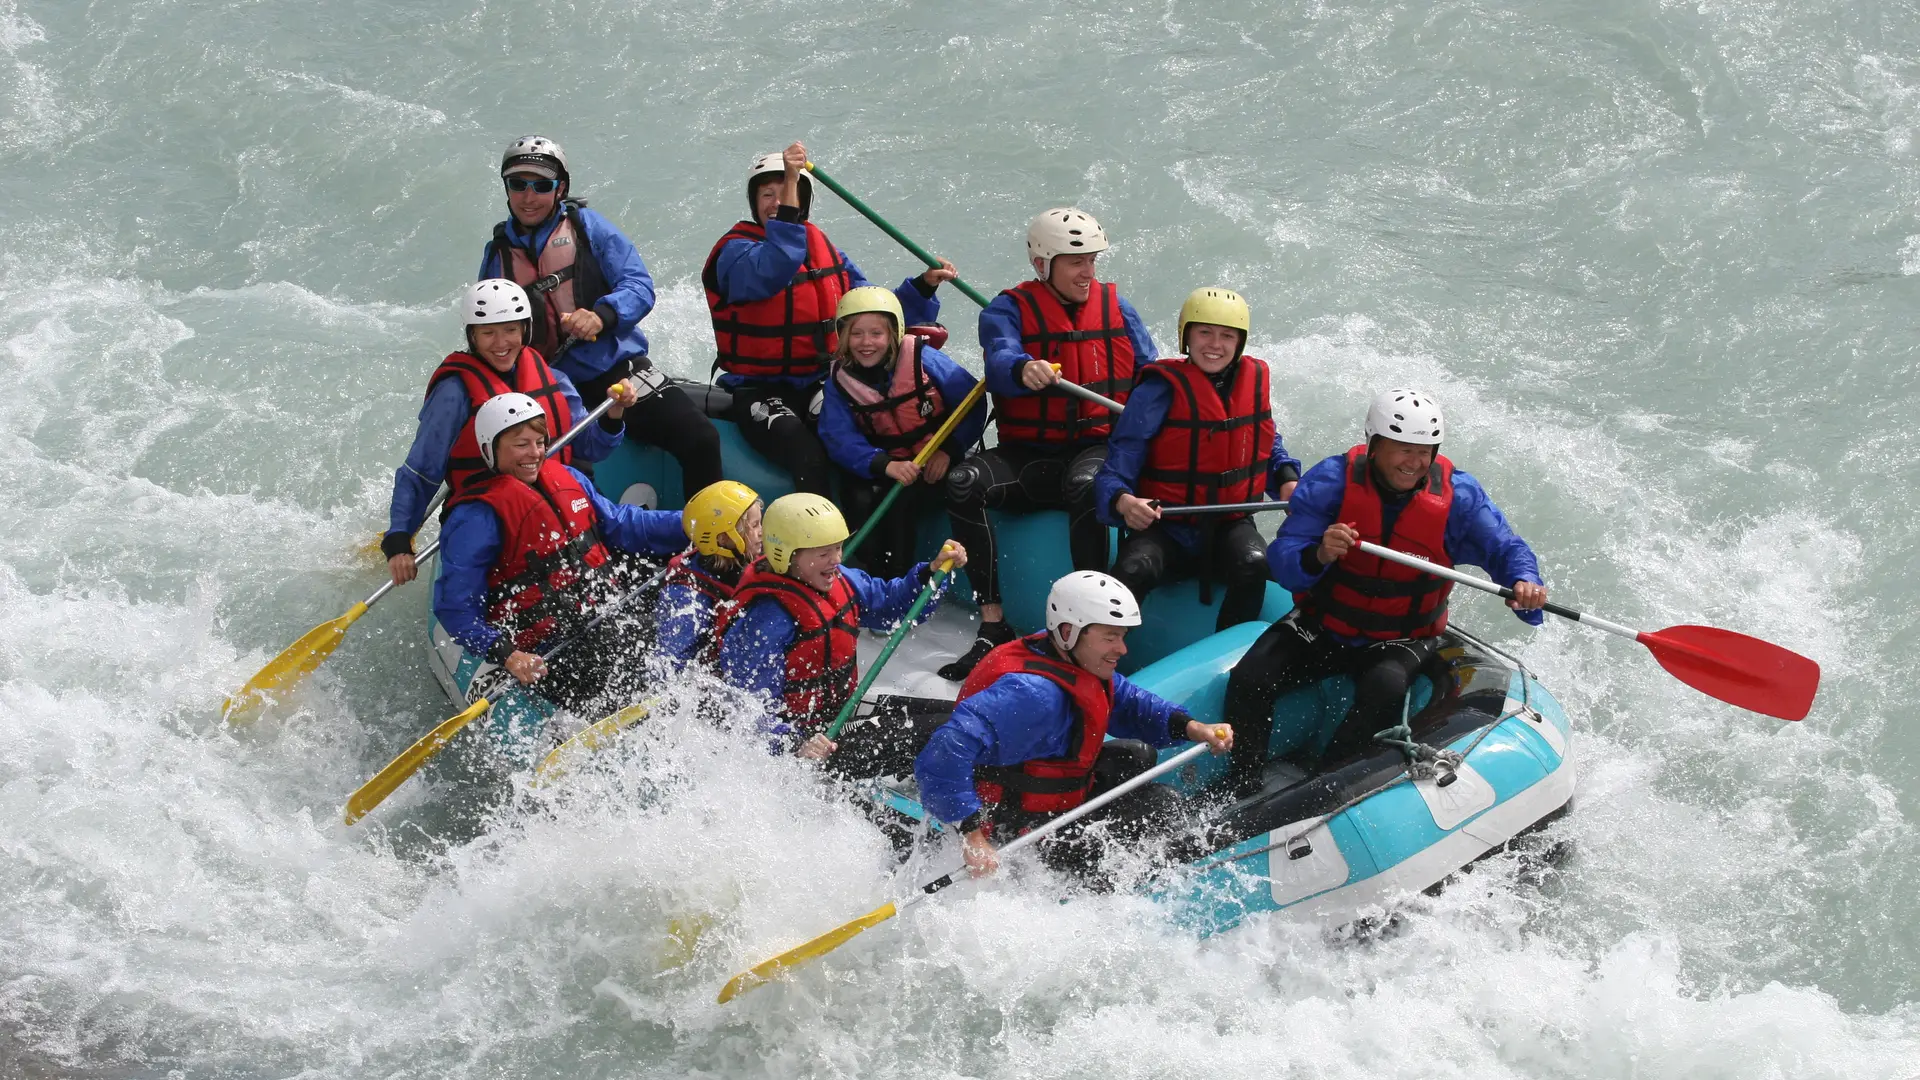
[714, 513]
[1221, 307]
[870, 298]
[800, 521]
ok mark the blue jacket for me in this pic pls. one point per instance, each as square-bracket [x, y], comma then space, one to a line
[849, 448]
[1477, 533]
[1127, 453]
[683, 615]
[1020, 718]
[470, 543]
[629, 291]
[1004, 356]
[750, 270]
[753, 652]
[442, 416]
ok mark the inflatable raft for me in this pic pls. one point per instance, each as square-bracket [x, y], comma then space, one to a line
[1327, 838]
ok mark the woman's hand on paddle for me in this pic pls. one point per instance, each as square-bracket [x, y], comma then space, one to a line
[624, 397]
[1217, 736]
[402, 568]
[979, 852]
[940, 275]
[952, 556]
[903, 472]
[1527, 596]
[817, 748]
[1137, 512]
[936, 468]
[581, 323]
[1336, 542]
[527, 667]
[1038, 375]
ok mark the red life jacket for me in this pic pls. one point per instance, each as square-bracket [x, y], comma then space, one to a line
[902, 420]
[530, 376]
[552, 568]
[1366, 596]
[823, 661]
[713, 594]
[1045, 785]
[566, 276]
[1208, 452]
[1092, 348]
[790, 333]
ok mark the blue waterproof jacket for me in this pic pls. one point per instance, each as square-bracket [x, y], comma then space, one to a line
[1004, 356]
[470, 543]
[629, 291]
[848, 446]
[750, 270]
[1477, 534]
[683, 617]
[1020, 718]
[1146, 411]
[442, 416]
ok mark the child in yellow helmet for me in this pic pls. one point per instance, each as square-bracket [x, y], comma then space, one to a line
[723, 524]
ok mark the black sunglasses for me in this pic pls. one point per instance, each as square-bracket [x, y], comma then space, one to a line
[521, 183]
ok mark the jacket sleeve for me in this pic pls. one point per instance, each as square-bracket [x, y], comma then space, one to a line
[955, 383]
[1018, 718]
[750, 270]
[1316, 502]
[635, 528]
[441, 417]
[917, 307]
[1141, 714]
[1281, 467]
[1127, 446]
[838, 432]
[489, 262]
[598, 441]
[884, 603]
[1000, 350]
[629, 286]
[1479, 534]
[753, 652]
[1143, 347]
[469, 545]
[677, 620]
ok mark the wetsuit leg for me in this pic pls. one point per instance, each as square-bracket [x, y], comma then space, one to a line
[594, 391]
[1287, 656]
[777, 421]
[1087, 538]
[669, 419]
[1381, 674]
[886, 743]
[859, 496]
[988, 480]
[1240, 561]
[1147, 560]
[1139, 822]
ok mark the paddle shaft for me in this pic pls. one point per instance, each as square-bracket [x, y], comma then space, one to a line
[893, 642]
[939, 436]
[1223, 508]
[887, 227]
[1084, 394]
[1472, 582]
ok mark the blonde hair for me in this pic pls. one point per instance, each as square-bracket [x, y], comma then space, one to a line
[843, 352]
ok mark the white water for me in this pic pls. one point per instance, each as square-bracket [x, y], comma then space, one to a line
[1658, 261]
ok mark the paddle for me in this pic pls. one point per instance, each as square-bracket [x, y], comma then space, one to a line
[1756, 675]
[1084, 394]
[887, 227]
[765, 971]
[587, 740]
[299, 659]
[893, 642]
[1223, 508]
[939, 436]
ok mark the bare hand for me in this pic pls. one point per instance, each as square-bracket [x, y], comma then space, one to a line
[1286, 491]
[1217, 736]
[979, 852]
[582, 323]
[402, 568]
[952, 555]
[1137, 512]
[795, 159]
[526, 667]
[1038, 375]
[936, 467]
[940, 275]
[817, 748]
[1527, 596]
[624, 397]
[1336, 542]
[903, 472]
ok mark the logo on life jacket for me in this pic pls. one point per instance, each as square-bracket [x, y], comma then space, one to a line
[530, 376]
[1208, 451]
[901, 420]
[1366, 596]
[822, 663]
[789, 334]
[1092, 348]
[1045, 785]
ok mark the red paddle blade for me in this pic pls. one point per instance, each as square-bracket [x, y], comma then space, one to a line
[1740, 670]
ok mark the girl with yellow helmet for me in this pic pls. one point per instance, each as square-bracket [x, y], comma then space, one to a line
[888, 392]
[723, 522]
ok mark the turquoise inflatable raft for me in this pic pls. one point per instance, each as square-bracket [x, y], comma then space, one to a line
[1329, 839]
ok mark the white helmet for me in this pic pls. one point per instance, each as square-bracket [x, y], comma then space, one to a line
[535, 154]
[1083, 598]
[1408, 416]
[499, 414]
[1063, 230]
[775, 163]
[495, 300]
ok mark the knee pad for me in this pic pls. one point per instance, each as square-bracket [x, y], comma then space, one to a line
[1078, 486]
[966, 484]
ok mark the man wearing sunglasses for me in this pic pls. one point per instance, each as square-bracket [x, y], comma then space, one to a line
[590, 290]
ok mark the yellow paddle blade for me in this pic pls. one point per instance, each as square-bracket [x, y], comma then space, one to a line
[799, 954]
[294, 663]
[387, 780]
[683, 935]
[592, 737]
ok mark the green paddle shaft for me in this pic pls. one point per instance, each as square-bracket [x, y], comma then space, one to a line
[887, 227]
[893, 642]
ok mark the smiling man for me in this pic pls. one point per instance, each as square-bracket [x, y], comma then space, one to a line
[1357, 614]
